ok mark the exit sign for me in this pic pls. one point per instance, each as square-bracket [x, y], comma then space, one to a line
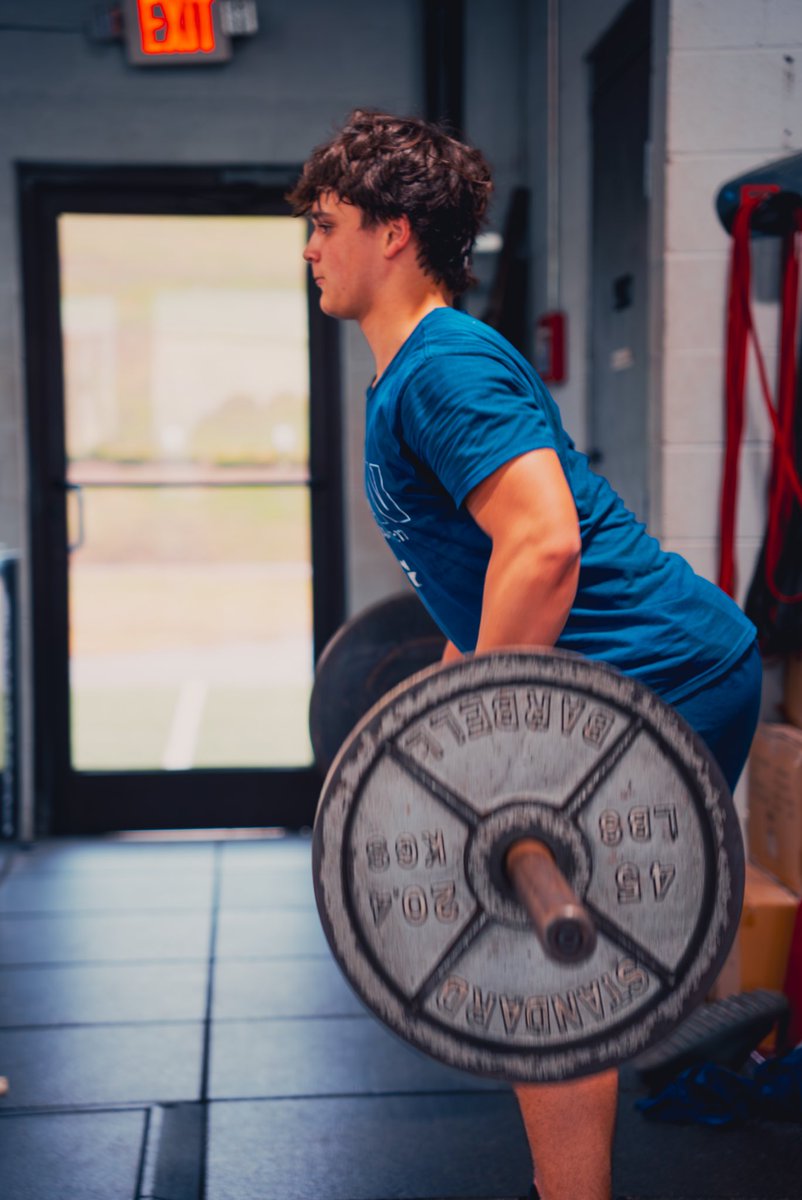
[166, 32]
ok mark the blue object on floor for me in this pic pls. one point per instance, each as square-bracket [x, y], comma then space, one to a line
[779, 1084]
[715, 1095]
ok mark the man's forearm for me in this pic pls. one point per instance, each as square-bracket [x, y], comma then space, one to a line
[527, 510]
[527, 599]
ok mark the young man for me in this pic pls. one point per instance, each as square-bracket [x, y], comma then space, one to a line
[499, 523]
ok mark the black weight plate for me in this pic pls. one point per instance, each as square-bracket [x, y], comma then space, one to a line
[367, 657]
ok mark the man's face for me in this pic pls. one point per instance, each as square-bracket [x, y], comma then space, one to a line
[346, 259]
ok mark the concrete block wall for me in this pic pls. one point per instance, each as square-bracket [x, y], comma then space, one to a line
[726, 96]
[734, 101]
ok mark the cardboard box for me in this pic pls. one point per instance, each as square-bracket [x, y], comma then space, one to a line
[774, 821]
[792, 691]
[759, 955]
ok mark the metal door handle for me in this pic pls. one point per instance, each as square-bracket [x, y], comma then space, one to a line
[79, 540]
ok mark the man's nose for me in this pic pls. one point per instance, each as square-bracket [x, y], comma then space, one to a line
[310, 249]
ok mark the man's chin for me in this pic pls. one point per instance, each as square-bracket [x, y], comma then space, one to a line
[331, 309]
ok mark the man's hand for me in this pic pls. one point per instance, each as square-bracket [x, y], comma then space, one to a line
[527, 509]
[450, 654]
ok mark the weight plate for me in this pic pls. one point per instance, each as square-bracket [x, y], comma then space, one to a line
[418, 810]
[367, 657]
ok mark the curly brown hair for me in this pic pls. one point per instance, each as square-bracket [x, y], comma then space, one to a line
[390, 166]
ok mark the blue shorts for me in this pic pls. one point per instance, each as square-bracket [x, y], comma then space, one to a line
[725, 715]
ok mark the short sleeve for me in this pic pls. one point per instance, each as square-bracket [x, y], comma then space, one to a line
[465, 415]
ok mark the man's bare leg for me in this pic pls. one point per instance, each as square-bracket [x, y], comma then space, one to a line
[570, 1129]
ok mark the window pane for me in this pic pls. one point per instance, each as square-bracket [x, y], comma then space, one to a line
[185, 339]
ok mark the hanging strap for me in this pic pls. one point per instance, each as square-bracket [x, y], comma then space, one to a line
[785, 482]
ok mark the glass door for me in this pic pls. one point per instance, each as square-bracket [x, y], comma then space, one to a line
[186, 391]
[189, 490]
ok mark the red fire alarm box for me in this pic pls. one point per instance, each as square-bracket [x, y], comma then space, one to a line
[550, 347]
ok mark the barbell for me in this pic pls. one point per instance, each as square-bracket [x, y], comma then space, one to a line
[527, 865]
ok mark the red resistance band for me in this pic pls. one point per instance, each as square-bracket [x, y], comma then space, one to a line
[784, 482]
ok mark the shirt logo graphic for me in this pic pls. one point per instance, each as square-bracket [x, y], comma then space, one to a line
[411, 575]
[385, 509]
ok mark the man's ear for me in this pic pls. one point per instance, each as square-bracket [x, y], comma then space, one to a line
[398, 234]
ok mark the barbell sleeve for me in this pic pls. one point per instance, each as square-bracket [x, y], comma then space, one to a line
[559, 918]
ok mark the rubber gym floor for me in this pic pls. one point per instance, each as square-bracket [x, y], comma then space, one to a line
[173, 1027]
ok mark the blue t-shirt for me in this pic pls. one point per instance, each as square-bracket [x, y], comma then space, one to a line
[457, 402]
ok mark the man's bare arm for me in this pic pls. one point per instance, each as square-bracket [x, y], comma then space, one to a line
[527, 509]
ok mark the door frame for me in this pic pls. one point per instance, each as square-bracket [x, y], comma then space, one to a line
[71, 802]
[628, 42]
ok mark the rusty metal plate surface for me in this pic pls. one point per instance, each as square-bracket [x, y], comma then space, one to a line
[415, 818]
[367, 657]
